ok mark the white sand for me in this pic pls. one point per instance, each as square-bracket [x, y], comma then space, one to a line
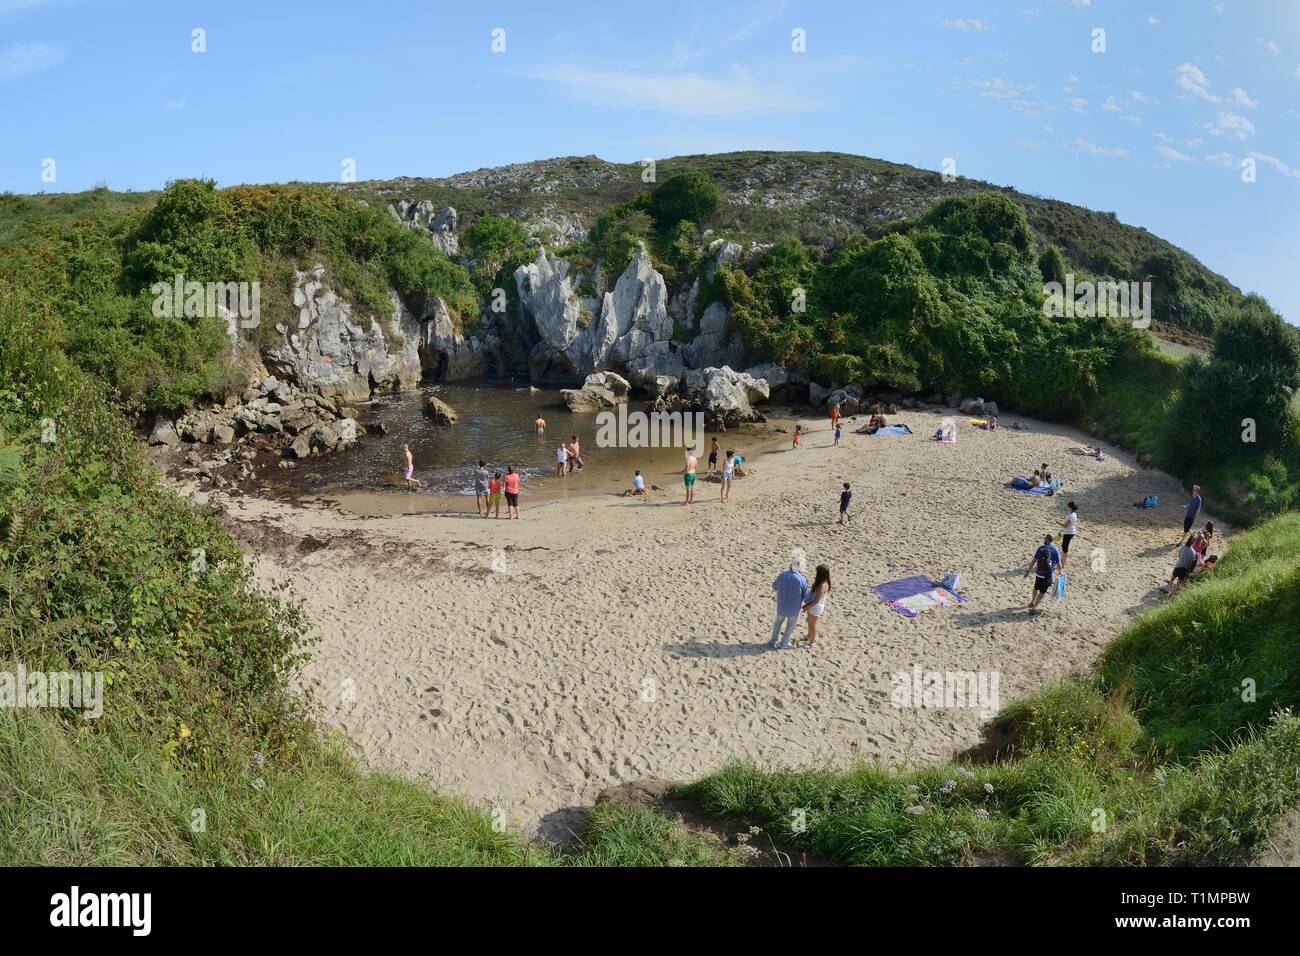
[620, 638]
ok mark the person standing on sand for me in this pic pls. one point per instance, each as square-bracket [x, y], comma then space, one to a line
[797, 440]
[815, 605]
[688, 476]
[1193, 509]
[714, 450]
[494, 495]
[791, 589]
[409, 472]
[1045, 560]
[540, 425]
[845, 497]
[481, 478]
[837, 434]
[1069, 528]
[512, 492]
[835, 414]
[561, 457]
[728, 473]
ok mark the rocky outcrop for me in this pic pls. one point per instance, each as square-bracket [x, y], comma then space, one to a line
[440, 411]
[270, 415]
[337, 353]
[712, 346]
[446, 354]
[600, 390]
[440, 225]
[164, 433]
[727, 396]
[774, 375]
[632, 333]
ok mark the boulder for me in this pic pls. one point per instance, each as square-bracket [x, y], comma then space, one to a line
[991, 409]
[336, 435]
[817, 395]
[300, 447]
[164, 433]
[600, 390]
[712, 346]
[223, 433]
[440, 411]
[774, 375]
[728, 396]
[971, 406]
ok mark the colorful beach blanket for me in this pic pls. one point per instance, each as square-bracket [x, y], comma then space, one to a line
[893, 430]
[910, 596]
[1040, 490]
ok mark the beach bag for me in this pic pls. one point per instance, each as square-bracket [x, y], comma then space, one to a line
[1060, 587]
[952, 581]
[1150, 501]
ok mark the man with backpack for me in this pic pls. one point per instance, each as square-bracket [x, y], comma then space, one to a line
[1045, 560]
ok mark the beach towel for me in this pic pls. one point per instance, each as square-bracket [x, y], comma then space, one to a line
[1060, 587]
[1040, 490]
[894, 430]
[910, 596]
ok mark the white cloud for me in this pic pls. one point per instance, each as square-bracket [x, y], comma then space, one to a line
[1221, 159]
[1276, 163]
[1077, 103]
[1140, 97]
[1218, 8]
[1196, 141]
[1168, 152]
[1241, 99]
[964, 23]
[174, 105]
[1270, 46]
[1239, 126]
[1030, 144]
[1082, 144]
[1190, 79]
[1111, 105]
[1154, 21]
[1081, 3]
[1164, 137]
[1070, 78]
[1135, 120]
[20, 59]
[683, 94]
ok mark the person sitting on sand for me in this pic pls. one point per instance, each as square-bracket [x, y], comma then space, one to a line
[1020, 482]
[481, 479]
[688, 476]
[728, 473]
[494, 495]
[575, 453]
[561, 459]
[1184, 565]
[409, 472]
[791, 589]
[1045, 560]
[638, 483]
[815, 603]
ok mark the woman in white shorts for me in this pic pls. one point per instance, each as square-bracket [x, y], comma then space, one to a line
[728, 473]
[816, 605]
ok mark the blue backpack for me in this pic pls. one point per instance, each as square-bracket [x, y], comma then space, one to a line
[1150, 501]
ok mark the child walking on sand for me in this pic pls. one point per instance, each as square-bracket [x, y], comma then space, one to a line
[845, 497]
[838, 431]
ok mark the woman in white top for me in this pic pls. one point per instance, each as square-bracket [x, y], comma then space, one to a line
[816, 605]
[1069, 528]
[561, 457]
[728, 472]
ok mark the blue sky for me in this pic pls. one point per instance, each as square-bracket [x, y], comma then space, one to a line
[1154, 128]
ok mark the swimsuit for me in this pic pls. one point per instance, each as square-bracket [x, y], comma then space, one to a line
[688, 479]
[409, 469]
[728, 471]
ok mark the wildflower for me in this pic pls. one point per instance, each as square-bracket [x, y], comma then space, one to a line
[258, 758]
[982, 813]
[949, 786]
[185, 732]
[915, 811]
[988, 788]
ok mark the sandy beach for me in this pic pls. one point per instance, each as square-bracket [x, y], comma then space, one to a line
[530, 664]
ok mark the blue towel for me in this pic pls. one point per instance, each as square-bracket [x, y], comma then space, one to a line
[1040, 490]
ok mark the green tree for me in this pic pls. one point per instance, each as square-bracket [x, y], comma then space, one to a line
[692, 196]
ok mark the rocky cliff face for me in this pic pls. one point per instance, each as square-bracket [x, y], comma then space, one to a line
[334, 352]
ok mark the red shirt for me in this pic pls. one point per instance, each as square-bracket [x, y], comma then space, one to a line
[494, 486]
[512, 484]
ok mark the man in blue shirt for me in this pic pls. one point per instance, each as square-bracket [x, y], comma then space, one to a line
[791, 589]
[1044, 562]
[1193, 509]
